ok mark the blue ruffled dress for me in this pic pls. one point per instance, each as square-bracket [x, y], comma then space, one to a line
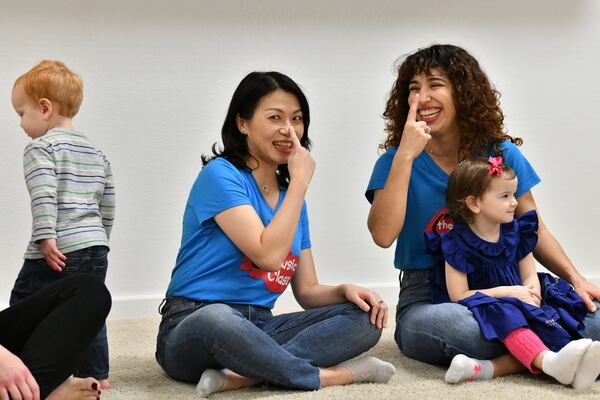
[557, 321]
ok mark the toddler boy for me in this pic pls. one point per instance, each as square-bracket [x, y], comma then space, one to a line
[72, 193]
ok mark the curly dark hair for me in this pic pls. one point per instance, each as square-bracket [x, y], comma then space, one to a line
[477, 102]
[246, 97]
[470, 178]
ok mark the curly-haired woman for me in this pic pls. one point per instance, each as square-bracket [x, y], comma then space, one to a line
[441, 110]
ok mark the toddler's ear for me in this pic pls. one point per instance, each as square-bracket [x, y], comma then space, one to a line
[46, 106]
[472, 203]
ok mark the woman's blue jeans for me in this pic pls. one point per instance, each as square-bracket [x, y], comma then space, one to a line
[434, 333]
[285, 350]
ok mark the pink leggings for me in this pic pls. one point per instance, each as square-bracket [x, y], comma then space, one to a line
[525, 346]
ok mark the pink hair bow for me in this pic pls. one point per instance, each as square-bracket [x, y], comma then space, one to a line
[496, 167]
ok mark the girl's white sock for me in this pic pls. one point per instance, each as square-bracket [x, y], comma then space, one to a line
[562, 365]
[370, 369]
[211, 381]
[463, 368]
[588, 369]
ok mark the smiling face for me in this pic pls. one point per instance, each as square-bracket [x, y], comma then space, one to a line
[436, 101]
[32, 113]
[498, 203]
[268, 130]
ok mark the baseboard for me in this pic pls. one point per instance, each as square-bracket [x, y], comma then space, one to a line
[128, 307]
[146, 306]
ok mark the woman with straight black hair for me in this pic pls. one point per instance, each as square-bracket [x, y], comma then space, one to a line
[245, 239]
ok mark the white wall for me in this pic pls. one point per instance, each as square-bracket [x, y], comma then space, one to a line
[159, 75]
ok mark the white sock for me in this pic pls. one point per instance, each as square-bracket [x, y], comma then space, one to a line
[463, 368]
[370, 369]
[211, 381]
[588, 369]
[562, 365]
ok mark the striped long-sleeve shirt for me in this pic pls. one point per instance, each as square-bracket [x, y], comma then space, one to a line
[72, 194]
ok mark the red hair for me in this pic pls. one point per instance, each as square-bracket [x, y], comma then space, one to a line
[52, 80]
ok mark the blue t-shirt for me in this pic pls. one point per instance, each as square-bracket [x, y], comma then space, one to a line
[209, 266]
[427, 196]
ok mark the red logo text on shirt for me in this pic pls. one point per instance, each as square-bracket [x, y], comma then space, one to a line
[276, 282]
[441, 222]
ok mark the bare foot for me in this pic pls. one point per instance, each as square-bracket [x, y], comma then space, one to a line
[76, 389]
[105, 384]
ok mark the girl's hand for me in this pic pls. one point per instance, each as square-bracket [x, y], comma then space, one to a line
[301, 165]
[368, 300]
[527, 294]
[16, 381]
[415, 134]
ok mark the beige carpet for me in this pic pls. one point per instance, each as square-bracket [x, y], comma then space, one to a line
[136, 376]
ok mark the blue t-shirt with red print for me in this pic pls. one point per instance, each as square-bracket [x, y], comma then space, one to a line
[209, 266]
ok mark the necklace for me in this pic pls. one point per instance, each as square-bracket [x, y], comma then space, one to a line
[435, 153]
[265, 188]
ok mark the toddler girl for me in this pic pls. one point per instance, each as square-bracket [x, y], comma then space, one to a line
[488, 267]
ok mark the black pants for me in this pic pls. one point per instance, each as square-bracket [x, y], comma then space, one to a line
[36, 274]
[51, 331]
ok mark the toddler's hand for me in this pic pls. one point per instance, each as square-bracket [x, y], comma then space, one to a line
[53, 256]
[526, 294]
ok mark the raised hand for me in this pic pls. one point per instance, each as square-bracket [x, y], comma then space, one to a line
[415, 134]
[301, 164]
[53, 256]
